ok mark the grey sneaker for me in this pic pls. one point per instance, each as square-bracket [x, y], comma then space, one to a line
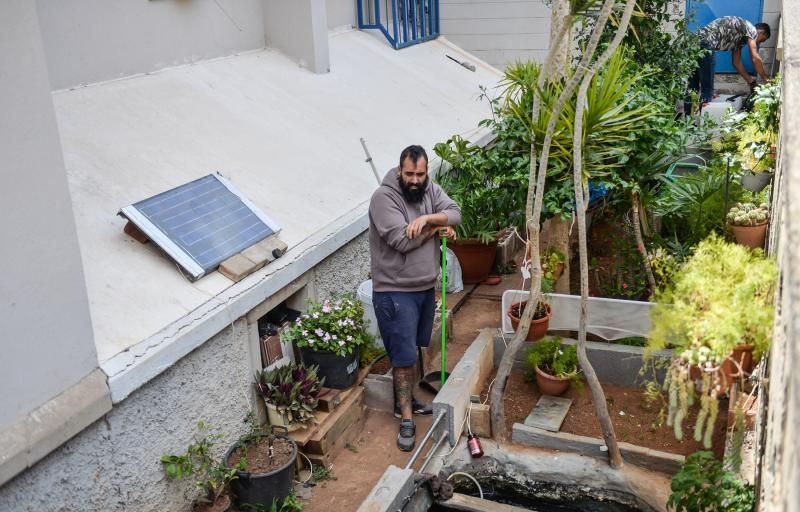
[417, 407]
[407, 435]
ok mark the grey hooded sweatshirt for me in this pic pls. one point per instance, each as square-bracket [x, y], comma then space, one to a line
[398, 263]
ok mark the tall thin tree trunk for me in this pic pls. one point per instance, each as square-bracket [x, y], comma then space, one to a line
[559, 38]
[536, 196]
[607, 427]
[640, 241]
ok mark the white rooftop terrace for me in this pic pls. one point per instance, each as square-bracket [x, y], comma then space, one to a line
[288, 139]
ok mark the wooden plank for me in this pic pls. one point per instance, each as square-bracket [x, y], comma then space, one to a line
[339, 420]
[472, 504]
[137, 234]
[329, 399]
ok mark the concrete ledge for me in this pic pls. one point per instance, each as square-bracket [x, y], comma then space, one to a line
[653, 460]
[614, 364]
[466, 379]
[27, 441]
[379, 392]
[391, 492]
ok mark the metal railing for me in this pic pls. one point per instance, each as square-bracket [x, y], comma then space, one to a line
[403, 22]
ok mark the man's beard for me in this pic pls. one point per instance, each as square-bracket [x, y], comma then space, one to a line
[413, 195]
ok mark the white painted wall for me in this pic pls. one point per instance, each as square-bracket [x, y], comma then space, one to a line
[45, 327]
[88, 41]
[299, 29]
[498, 31]
[342, 13]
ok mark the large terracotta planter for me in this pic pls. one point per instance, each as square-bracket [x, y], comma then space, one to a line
[475, 257]
[539, 326]
[549, 385]
[750, 236]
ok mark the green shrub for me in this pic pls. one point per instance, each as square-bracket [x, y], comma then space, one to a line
[553, 358]
[702, 485]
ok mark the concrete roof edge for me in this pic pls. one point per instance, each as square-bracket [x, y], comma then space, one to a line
[132, 368]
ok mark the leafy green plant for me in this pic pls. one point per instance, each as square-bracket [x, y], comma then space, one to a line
[333, 326]
[211, 476]
[554, 359]
[748, 214]
[293, 389]
[722, 297]
[702, 485]
[290, 504]
[551, 261]
[486, 184]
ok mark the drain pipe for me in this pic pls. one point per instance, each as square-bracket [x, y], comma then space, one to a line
[425, 440]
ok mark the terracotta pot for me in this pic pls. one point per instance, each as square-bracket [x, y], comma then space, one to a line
[742, 356]
[750, 236]
[549, 385]
[475, 257]
[538, 328]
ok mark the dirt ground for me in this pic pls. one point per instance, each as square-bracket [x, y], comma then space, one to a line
[635, 420]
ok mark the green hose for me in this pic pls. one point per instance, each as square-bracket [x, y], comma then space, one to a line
[444, 301]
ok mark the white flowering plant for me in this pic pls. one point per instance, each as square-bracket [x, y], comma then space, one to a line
[336, 326]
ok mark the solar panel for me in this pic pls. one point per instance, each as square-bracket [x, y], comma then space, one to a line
[201, 223]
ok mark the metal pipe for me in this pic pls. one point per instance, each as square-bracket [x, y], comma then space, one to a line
[432, 452]
[425, 438]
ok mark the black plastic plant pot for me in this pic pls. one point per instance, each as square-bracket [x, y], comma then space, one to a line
[264, 488]
[340, 372]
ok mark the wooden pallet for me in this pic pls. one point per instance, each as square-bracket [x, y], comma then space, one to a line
[323, 442]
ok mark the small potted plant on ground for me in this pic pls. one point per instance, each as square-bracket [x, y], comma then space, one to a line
[717, 315]
[555, 366]
[264, 464]
[211, 476]
[749, 223]
[291, 393]
[540, 322]
[329, 336]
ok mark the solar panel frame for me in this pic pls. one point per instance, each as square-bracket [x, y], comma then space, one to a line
[182, 256]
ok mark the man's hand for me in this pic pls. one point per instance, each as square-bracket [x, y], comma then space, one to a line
[416, 226]
[448, 232]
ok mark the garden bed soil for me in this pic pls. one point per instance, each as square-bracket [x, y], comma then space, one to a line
[638, 425]
[258, 460]
[221, 505]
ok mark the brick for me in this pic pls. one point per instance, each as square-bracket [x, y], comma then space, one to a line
[134, 232]
[480, 420]
[237, 267]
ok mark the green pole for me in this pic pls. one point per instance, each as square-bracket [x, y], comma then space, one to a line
[444, 301]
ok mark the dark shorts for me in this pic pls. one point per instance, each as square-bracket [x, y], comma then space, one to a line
[405, 320]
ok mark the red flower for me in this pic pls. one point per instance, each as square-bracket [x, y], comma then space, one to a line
[625, 285]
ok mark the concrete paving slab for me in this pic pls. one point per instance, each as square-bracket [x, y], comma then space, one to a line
[549, 413]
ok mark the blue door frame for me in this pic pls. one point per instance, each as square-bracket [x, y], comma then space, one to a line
[404, 22]
[702, 12]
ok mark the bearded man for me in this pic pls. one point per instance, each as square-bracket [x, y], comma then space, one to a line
[407, 215]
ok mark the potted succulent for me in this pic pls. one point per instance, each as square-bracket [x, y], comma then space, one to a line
[489, 192]
[211, 476]
[264, 465]
[539, 323]
[717, 315]
[554, 366]
[329, 336]
[749, 223]
[291, 393]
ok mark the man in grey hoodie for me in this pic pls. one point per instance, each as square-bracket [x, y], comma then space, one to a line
[407, 215]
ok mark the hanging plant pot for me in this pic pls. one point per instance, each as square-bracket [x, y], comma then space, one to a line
[475, 257]
[750, 236]
[755, 182]
[279, 419]
[550, 385]
[340, 372]
[268, 473]
[539, 326]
